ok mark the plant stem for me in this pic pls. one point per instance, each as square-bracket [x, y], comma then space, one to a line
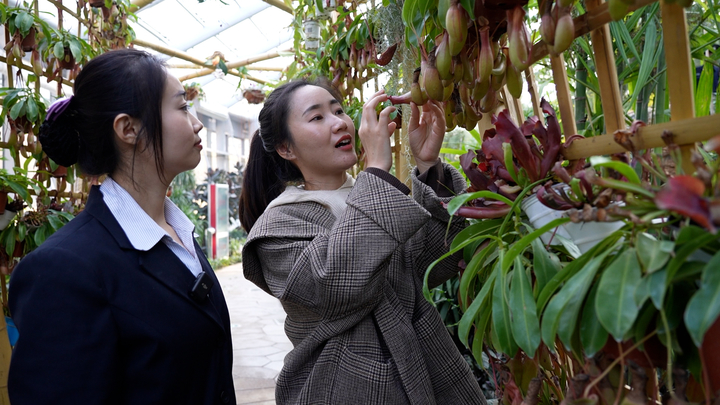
[668, 345]
[621, 383]
[705, 376]
[615, 362]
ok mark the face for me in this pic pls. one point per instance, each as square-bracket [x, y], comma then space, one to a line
[323, 136]
[181, 142]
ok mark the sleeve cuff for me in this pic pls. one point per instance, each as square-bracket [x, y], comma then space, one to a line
[394, 181]
[434, 177]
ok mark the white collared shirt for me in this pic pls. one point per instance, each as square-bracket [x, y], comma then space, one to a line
[143, 232]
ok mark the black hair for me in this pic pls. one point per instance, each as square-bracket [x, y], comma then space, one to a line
[124, 81]
[266, 172]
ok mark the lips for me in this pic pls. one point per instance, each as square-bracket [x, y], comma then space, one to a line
[343, 141]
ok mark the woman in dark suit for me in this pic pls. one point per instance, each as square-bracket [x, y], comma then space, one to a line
[120, 306]
[346, 257]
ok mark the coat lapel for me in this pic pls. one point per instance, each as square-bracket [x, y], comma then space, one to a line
[160, 262]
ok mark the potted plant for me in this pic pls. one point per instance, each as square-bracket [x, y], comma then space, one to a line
[64, 51]
[28, 232]
[193, 91]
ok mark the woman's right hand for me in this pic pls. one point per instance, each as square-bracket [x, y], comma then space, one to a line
[375, 132]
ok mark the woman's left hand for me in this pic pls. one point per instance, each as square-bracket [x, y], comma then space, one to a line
[426, 133]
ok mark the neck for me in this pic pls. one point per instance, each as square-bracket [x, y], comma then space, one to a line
[330, 182]
[147, 190]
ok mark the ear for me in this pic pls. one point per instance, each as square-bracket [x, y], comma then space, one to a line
[126, 129]
[285, 152]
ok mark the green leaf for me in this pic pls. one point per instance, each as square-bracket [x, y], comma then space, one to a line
[615, 300]
[19, 190]
[685, 251]
[592, 334]
[75, 49]
[32, 110]
[18, 109]
[657, 287]
[24, 21]
[469, 6]
[576, 285]
[509, 164]
[59, 51]
[648, 61]
[55, 222]
[21, 230]
[472, 311]
[477, 345]
[525, 324]
[704, 91]
[39, 236]
[704, 306]
[622, 168]
[461, 199]
[502, 324]
[519, 246]
[468, 276]
[544, 267]
[480, 228]
[653, 253]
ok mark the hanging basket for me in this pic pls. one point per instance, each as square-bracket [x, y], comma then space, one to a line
[254, 96]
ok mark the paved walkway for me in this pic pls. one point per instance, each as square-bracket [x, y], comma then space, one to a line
[259, 341]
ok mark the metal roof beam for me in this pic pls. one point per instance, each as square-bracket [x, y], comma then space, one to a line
[209, 32]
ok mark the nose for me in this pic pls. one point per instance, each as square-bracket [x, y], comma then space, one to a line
[340, 123]
[197, 125]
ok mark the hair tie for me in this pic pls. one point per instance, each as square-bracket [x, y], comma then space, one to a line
[57, 108]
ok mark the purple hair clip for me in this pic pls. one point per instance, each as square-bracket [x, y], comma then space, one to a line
[57, 108]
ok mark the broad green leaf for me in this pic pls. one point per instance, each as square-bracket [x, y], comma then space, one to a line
[653, 253]
[39, 236]
[525, 324]
[18, 109]
[501, 321]
[32, 110]
[468, 277]
[469, 6]
[59, 51]
[55, 222]
[622, 168]
[615, 300]
[684, 252]
[76, 49]
[519, 246]
[22, 230]
[20, 190]
[576, 284]
[657, 287]
[569, 316]
[544, 267]
[592, 334]
[461, 199]
[477, 345]
[704, 307]
[603, 249]
[479, 302]
[474, 230]
[24, 22]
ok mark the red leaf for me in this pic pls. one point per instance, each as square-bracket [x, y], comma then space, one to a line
[684, 195]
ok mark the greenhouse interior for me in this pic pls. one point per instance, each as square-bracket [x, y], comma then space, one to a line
[360, 202]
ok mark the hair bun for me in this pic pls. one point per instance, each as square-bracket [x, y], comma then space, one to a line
[60, 140]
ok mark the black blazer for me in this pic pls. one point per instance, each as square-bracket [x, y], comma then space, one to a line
[103, 323]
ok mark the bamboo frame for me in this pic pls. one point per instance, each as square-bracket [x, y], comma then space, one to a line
[679, 70]
[607, 75]
[686, 132]
[562, 87]
[534, 95]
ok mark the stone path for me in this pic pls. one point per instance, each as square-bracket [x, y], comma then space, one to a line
[259, 341]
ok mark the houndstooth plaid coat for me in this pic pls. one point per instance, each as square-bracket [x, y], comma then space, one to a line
[352, 289]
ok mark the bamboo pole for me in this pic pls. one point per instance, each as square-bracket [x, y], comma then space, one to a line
[279, 4]
[29, 69]
[187, 57]
[562, 89]
[194, 66]
[593, 19]
[534, 95]
[607, 74]
[679, 71]
[514, 106]
[685, 131]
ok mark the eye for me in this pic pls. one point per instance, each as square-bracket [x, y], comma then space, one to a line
[185, 107]
[339, 112]
[316, 118]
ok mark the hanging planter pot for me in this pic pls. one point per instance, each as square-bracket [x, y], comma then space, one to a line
[710, 353]
[68, 60]
[311, 29]
[584, 234]
[28, 42]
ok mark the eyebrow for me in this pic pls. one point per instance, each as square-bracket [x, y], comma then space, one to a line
[316, 106]
[181, 93]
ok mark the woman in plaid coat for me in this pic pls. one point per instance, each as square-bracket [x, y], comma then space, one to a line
[346, 257]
